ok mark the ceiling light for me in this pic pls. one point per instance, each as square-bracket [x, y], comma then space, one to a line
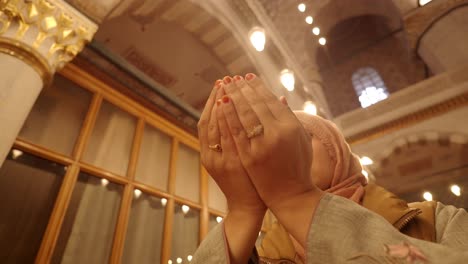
[310, 108]
[185, 208]
[316, 31]
[104, 182]
[137, 193]
[366, 174]
[163, 202]
[427, 196]
[424, 2]
[189, 258]
[322, 41]
[169, 262]
[455, 189]
[309, 20]
[16, 153]
[301, 7]
[179, 260]
[287, 79]
[257, 38]
[219, 219]
[366, 161]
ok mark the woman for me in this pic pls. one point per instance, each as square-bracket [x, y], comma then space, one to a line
[261, 157]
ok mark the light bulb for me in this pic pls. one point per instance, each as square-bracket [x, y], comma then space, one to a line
[16, 153]
[185, 208]
[219, 219]
[309, 20]
[104, 182]
[455, 189]
[287, 79]
[366, 161]
[310, 108]
[189, 258]
[424, 2]
[316, 31]
[169, 262]
[179, 260]
[365, 173]
[257, 38]
[301, 7]
[427, 196]
[163, 202]
[322, 41]
[137, 193]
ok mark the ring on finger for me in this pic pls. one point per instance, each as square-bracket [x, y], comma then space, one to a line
[216, 147]
[256, 131]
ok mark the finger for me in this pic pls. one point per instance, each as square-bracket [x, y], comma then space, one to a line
[205, 117]
[213, 130]
[227, 141]
[236, 129]
[278, 109]
[251, 112]
[284, 100]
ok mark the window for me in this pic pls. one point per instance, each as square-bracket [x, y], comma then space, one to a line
[369, 86]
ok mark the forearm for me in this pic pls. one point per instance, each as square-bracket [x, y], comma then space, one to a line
[241, 230]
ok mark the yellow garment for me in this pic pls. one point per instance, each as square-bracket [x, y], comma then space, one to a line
[415, 220]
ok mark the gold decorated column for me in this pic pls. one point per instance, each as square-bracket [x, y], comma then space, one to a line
[37, 37]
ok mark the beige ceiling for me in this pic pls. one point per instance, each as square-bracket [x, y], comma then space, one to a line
[177, 43]
[327, 14]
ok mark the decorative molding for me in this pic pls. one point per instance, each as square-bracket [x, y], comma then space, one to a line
[46, 34]
[421, 19]
[410, 119]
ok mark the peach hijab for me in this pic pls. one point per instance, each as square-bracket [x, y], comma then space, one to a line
[347, 179]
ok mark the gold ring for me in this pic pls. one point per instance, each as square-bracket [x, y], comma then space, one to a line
[216, 147]
[256, 131]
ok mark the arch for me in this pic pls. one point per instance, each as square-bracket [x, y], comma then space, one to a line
[153, 36]
[369, 86]
[422, 136]
[442, 43]
[336, 12]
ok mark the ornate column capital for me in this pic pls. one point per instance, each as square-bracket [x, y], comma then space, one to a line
[46, 34]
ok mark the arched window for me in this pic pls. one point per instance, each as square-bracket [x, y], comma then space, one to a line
[369, 87]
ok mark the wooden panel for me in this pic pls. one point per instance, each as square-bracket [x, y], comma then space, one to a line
[169, 216]
[121, 227]
[55, 222]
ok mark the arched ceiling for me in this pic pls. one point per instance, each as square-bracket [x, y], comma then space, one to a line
[327, 14]
[177, 43]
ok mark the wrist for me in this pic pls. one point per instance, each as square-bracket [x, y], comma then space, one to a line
[244, 215]
[241, 229]
[295, 213]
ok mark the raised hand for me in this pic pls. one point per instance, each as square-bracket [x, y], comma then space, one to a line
[220, 158]
[274, 149]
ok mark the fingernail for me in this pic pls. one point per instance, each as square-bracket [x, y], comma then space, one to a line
[225, 99]
[237, 78]
[218, 83]
[249, 76]
[227, 80]
[218, 102]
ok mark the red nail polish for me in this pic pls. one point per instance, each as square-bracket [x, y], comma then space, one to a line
[225, 99]
[227, 80]
[249, 76]
[237, 78]
[218, 84]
